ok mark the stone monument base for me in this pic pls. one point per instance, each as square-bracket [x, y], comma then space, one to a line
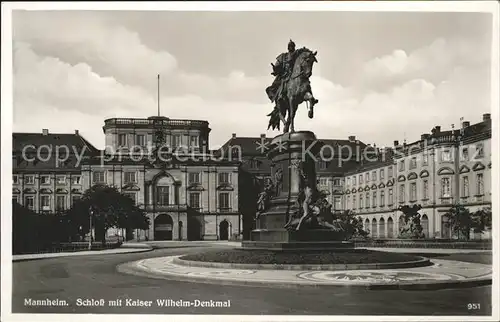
[283, 240]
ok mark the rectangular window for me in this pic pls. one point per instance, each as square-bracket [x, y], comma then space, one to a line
[59, 163]
[224, 201]
[98, 177]
[413, 163]
[129, 177]
[360, 200]
[402, 165]
[60, 203]
[194, 200]
[360, 179]
[425, 189]
[76, 179]
[353, 201]
[122, 140]
[45, 203]
[61, 179]
[140, 140]
[367, 200]
[382, 175]
[336, 182]
[185, 140]
[465, 186]
[445, 188]
[348, 202]
[323, 182]
[224, 178]
[354, 180]
[194, 178]
[374, 201]
[29, 202]
[391, 198]
[15, 179]
[177, 141]
[402, 193]
[323, 165]
[336, 203]
[425, 159]
[479, 150]
[413, 191]
[74, 198]
[374, 175]
[29, 179]
[254, 164]
[195, 142]
[390, 172]
[465, 154]
[348, 181]
[480, 184]
[446, 156]
[44, 179]
[163, 196]
[382, 198]
[367, 177]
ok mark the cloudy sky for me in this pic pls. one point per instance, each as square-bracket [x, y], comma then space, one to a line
[380, 76]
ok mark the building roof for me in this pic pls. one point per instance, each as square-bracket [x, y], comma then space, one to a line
[252, 145]
[75, 142]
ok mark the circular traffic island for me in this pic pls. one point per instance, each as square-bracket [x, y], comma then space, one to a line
[302, 260]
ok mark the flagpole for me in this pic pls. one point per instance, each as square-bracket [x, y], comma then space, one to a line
[158, 90]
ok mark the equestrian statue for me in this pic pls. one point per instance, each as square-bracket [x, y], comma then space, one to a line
[291, 86]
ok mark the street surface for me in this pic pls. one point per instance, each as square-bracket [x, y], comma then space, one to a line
[94, 277]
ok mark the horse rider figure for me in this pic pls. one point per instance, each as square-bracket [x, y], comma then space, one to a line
[283, 70]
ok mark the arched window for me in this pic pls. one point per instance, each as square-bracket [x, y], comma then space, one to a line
[381, 228]
[374, 228]
[390, 228]
[425, 225]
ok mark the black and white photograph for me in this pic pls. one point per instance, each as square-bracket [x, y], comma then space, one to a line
[251, 161]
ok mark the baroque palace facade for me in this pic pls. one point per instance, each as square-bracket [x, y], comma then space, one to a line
[192, 193]
[441, 169]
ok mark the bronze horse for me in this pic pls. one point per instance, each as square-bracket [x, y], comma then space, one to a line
[296, 90]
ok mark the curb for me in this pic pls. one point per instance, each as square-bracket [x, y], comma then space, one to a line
[422, 261]
[132, 269]
[56, 255]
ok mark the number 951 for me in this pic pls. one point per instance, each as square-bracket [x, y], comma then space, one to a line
[473, 306]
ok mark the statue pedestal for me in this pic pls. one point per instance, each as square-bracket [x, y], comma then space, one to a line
[290, 152]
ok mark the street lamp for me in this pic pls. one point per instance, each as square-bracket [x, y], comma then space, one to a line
[90, 227]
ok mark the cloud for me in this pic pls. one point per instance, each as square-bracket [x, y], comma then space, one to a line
[83, 38]
[433, 62]
[73, 72]
[70, 87]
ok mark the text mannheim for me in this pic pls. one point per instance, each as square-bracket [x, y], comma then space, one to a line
[197, 194]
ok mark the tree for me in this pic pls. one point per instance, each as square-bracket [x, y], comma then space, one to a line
[249, 189]
[25, 235]
[461, 221]
[481, 220]
[108, 208]
[412, 227]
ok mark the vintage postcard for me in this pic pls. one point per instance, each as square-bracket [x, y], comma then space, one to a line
[253, 161]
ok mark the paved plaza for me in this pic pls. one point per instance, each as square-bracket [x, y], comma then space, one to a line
[99, 276]
[443, 273]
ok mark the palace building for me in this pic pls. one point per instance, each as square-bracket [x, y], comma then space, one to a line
[192, 193]
[440, 169]
[46, 175]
